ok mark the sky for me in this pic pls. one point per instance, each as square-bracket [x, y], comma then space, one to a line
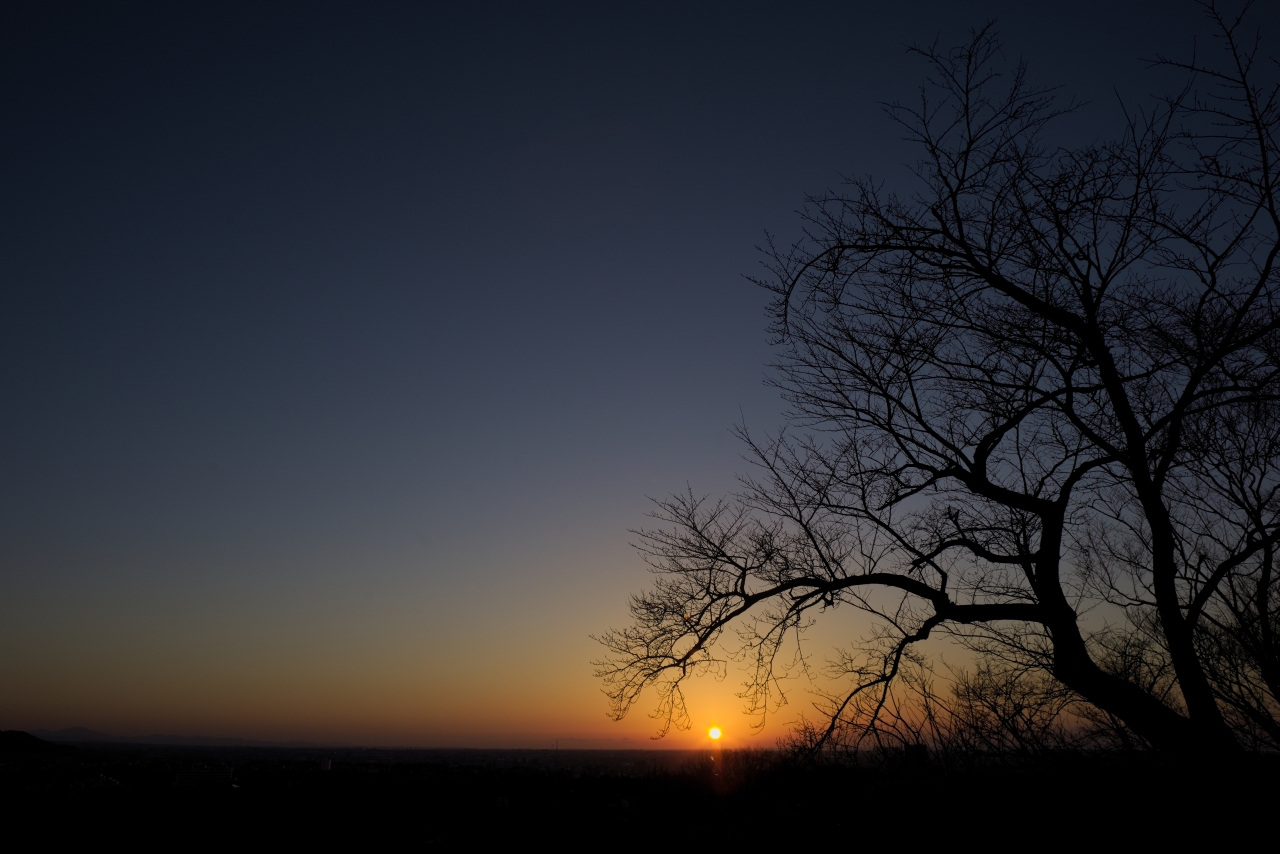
[344, 344]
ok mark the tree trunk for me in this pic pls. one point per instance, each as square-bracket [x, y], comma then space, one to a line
[1155, 722]
[1202, 708]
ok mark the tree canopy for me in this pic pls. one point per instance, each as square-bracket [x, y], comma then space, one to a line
[1034, 405]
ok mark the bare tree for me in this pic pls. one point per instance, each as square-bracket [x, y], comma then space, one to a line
[1034, 407]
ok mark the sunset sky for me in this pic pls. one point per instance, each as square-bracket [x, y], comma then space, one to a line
[343, 344]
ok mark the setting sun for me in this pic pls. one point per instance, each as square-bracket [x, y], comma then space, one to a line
[714, 732]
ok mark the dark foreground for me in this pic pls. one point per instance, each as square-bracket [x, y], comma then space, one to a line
[622, 800]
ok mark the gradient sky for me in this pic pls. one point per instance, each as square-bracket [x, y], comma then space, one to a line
[342, 344]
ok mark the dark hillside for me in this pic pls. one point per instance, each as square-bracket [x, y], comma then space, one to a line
[17, 743]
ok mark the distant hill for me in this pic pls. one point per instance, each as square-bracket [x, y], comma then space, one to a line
[81, 735]
[16, 742]
[73, 735]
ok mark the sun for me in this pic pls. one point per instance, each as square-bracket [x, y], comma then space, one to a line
[714, 732]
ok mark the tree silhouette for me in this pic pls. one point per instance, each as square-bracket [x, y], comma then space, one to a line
[1034, 406]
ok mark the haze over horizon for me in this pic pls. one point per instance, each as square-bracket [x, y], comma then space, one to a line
[343, 346]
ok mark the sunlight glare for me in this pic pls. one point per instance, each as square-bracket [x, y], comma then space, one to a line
[714, 732]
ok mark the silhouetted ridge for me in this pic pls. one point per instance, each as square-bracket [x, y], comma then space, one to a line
[73, 735]
[16, 742]
[81, 735]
